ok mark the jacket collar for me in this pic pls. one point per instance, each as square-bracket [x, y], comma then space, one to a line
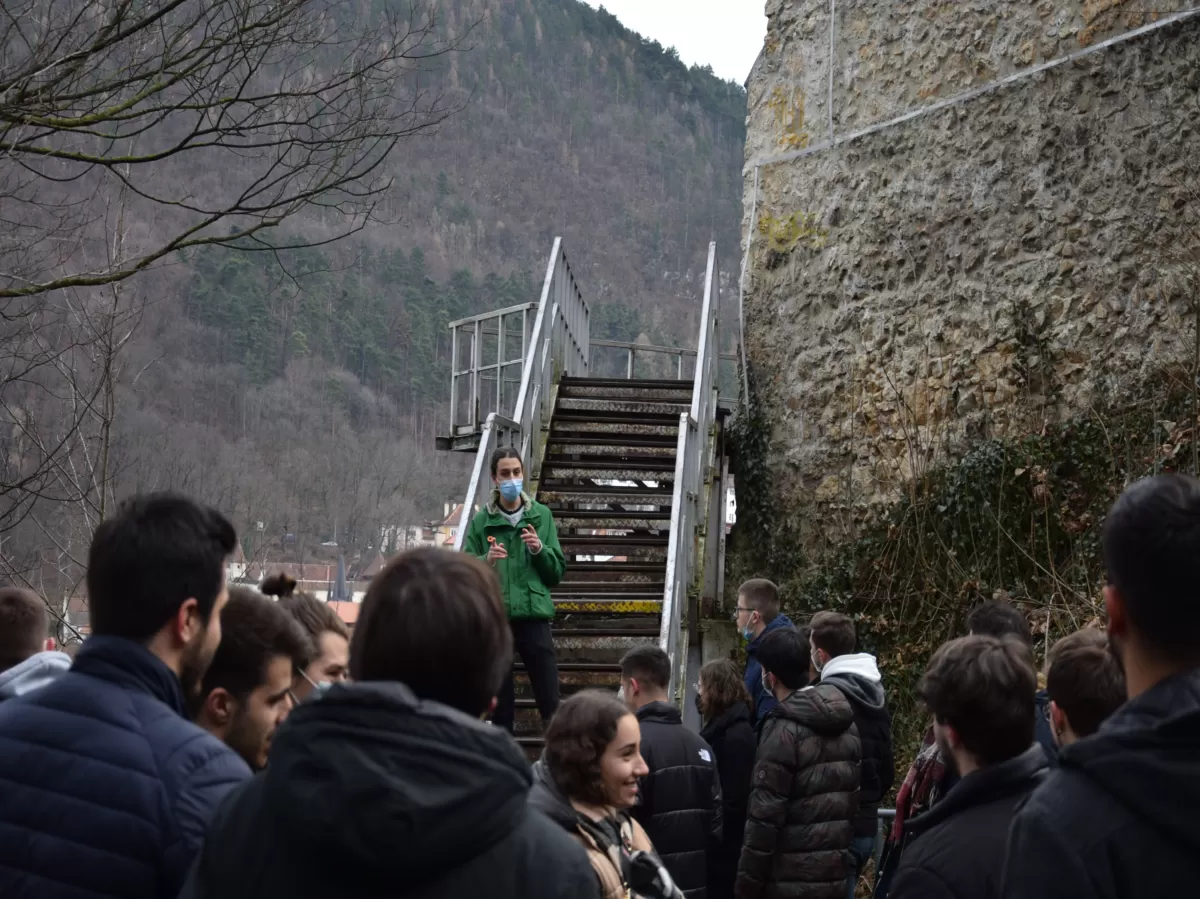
[493, 508]
[779, 621]
[727, 719]
[1016, 776]
[132, 666]
[662, 712]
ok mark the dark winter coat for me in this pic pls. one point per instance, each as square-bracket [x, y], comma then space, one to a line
[956, 849]
[108, 788]
[762, 700]
[1117, 818]
[371, 792]
[731, 736]
[803, 800]
[679, 801]
[858, 677]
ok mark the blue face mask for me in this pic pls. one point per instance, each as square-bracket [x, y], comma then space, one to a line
[747, 633]
[511, 490]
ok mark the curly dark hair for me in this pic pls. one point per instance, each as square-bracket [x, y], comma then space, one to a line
[723, 686]
[576, 739]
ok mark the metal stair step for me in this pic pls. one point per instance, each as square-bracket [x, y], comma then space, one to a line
[574, 588]
[576, 381]
[637, 394]
[561, 499]
[573, 418]
[632, 427]
[620, 569]
[616, 447]
[603, 405]
[609, 605]
[584, 667]
[655, 471]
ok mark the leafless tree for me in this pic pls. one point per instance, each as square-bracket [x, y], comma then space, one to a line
[295, 103]
[132, 129]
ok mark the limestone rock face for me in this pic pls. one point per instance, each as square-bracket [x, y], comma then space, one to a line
[1018, 258]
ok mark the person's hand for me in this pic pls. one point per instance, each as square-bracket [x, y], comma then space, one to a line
[532, 543]
[496, 552]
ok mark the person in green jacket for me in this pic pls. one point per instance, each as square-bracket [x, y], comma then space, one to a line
[517, 536]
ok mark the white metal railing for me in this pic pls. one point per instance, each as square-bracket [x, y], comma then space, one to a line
[557, 345]
[632, 350]
[487, 355]
[695, 427]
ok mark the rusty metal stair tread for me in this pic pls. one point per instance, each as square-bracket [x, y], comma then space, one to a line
[571, 632]
[616, 539]
[598, 667]
[612, 417]
[571, 588]
[628, 463]
[618, 567]
[649, 383]
[617, 442]
[590, 514]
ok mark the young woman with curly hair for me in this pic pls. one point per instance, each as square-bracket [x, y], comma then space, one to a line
[725, 706]
[587, 781]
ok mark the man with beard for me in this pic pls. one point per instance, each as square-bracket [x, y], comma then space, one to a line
[392, 784]
[1117, 817]
[247, 692]
[980, 691]
[108, 787]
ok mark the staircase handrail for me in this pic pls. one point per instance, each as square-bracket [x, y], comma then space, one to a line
[695, 426]
[558, 345]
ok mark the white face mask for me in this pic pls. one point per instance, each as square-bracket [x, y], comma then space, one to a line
[816, 661]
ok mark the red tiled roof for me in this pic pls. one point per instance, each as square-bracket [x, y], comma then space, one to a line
[347, 611]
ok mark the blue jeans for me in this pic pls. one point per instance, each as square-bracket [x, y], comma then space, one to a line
[861, 849]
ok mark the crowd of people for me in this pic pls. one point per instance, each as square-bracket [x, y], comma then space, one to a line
[217, 742]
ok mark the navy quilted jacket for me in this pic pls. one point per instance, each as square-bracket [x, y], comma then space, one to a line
[106, 787]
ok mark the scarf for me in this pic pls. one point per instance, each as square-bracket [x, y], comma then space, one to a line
[922, 785]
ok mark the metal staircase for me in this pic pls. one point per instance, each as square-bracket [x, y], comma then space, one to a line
[628, 466]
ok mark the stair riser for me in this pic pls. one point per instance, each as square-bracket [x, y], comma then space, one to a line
[601, 406]
[570, 682]
[588, 588]
[567, 524]
[635, 394]
[638, 553]
[579, 621]
[608, 607]
[631, 472]
[608, 655]
[564, 498]
[579, 428]
[608, 451]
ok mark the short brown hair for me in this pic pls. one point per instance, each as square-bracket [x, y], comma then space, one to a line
[834, 633]
[23, 623]
[984, 688]
[762, 596]
[723, 688]
[576, 739]
[647, 663]
[434, 620]
[1085, 680]
[315, 617]
[254, 630]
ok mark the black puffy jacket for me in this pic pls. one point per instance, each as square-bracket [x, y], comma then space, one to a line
[371, 792]
[803, 799]
[857, 676]
[731, 735]
[679, 801]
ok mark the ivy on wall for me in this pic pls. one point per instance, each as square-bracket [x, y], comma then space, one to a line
[1016, 519]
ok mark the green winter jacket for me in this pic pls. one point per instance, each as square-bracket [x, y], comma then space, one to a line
[525, 579]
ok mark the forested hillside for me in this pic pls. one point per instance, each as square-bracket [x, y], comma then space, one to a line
[303, 390]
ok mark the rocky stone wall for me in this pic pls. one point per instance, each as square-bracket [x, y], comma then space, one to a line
[1023, 257]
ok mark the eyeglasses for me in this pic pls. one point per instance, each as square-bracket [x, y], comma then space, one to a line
[742, 609]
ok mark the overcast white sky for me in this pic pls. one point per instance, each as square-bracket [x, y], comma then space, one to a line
[726, 34]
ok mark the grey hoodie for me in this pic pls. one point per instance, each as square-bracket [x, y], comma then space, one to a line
[34, 673]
